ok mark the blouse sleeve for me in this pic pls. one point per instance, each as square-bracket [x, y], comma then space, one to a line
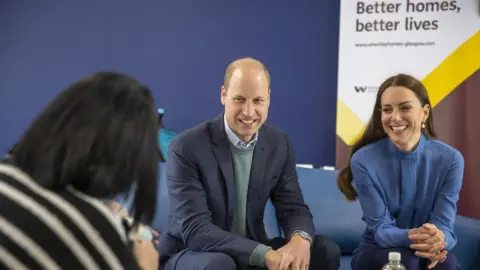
[445, 207]
[375, 212]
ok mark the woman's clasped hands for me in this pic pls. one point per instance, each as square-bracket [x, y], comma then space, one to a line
[429, 242]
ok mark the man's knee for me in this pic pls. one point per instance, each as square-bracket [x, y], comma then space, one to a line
[190, 260]
[219, 261]
[325, 254]
[326, 249]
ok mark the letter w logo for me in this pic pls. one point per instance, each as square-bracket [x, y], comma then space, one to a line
[360, 89]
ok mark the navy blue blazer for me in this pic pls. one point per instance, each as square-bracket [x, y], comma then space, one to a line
[200, 179]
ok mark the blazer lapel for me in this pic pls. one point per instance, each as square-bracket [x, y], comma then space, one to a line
[257, 171]
[223, 154]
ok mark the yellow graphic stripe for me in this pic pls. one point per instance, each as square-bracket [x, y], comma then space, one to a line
[349, 126]
[455, 69]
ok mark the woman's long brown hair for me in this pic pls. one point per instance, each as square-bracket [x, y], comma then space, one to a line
[374, 131]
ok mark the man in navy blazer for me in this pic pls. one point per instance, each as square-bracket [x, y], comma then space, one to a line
[220, 176]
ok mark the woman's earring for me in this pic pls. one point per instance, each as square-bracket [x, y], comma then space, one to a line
[423, 125]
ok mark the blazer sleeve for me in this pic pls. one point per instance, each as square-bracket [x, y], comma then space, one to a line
[291, 211]
[445, 207]
[375, 212]
[188, 202]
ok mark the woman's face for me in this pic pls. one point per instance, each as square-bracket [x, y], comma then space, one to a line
[402, 116]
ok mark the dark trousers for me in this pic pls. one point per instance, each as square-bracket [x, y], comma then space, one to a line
[376, 258]
[325, 255]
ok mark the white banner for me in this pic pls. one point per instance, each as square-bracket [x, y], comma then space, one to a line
[435, 41]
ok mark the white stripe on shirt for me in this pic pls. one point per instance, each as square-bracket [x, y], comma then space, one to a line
[9, 260]
[52, 222]
[34, 250]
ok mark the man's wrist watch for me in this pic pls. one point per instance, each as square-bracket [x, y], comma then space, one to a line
[304, 235]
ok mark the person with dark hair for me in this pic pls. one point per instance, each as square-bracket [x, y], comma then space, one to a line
[407, 182]
[96, 140]
[220, 176]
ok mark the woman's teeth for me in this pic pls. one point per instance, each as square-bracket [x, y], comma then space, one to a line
[399, 128]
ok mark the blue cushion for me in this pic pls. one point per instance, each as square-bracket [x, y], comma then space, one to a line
[160, 220]
[345, 263]
[270, 221]
[333, 216]
[467, 249]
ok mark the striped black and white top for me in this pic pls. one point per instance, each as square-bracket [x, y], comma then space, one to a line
[41, 229]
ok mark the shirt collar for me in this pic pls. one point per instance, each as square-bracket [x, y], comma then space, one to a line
[233, 138]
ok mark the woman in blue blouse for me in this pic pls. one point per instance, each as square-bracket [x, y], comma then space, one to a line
[407, 182]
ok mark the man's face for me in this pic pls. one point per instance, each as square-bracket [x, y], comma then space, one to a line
[246, 102]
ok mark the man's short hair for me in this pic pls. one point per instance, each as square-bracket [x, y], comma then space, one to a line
[235, 65]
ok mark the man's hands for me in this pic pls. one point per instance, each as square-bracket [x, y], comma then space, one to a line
[272, 260]
[430, 243]
[293, 256]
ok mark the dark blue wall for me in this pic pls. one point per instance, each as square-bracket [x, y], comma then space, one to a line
[180, 49]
